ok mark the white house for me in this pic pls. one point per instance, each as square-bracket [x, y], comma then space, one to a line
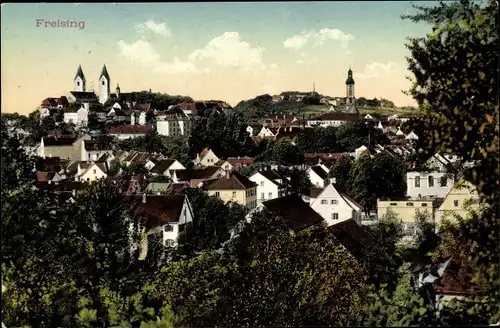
[124, 132]
[427, 184]
[90, 171]
[166, 167]
[267, 132]
[270, 185]
[399, 132]
[206, 158]
[336, 207]
[142, 118]
[173, 125]
[253, 130]
[161, 214]
[411, 136]
[225, 165]
[78, 117]
[92, 150]
[318, 176]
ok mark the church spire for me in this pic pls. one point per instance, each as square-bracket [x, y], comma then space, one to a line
[79, 73]
[104, 72]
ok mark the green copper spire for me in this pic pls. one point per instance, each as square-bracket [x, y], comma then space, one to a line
[350, 80]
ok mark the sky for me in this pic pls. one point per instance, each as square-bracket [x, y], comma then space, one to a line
[220, 51]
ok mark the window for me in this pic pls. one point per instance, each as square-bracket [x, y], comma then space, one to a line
[217, 194]
[417, 182]
[262, 195]
[168, 228]
[103, 83]
[334, 202]
[455, 203]
[185, 212]
[78, 83]
[409, 204]
[431, 181]
[169, 243]
[443, 181]
[323, 202]
[270, 195]
[234, 194]
[94, 171]
[424, 204]
[393, 204]
[262, 183]
[335, 216]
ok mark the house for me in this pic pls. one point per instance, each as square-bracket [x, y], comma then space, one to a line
[278, 120]
[332, 119]
[157, 188]
[136, 185]
[225, 165]
[421, 184]
[407, 210]
[354, 237]
[93, 150]
[233, 187]
[268, 132]
[123, 132]
[79, 116]
[295, 213]
[206, 158]
[64, 147]
[336, 207]
[253, 129]
[238, 162]
[166, 167]
[270, 185]
[83, 97]
[90, 171]
[196, 176]
[462, 198]
[289, 132]
[174, 124]
[318, 176]
[162, 214]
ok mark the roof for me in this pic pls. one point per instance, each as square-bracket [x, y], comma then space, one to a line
[84, 95]
[336, 116]
[131, 129]
[355, 238]
[143, 107]
[273, 175]
[220, 162]
[326, 155]
[155, 187]
[320, 172]
[42, 176]
[350, 199]
[162, 166]
[235, 181]
[104, 72]
[240, 161]
[178, 188]
[95, 145]
[158, 209]
[50, 163]
[59, 142]
[191, 174]
[295, 212]
[313, 192]
[79, 73]
[61, 186]
[49, 102]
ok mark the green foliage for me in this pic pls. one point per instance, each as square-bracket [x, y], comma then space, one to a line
[341, 171]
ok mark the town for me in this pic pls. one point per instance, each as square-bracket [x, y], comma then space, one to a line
[199, 211]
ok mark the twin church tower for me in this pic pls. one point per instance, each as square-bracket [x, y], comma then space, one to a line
[80, 83]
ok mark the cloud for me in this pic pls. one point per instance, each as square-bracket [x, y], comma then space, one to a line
[151, 26]
[175, 67]
[299, 41]
[376, 69]
[229, 50]
[144, 53]
[273, 65]
[140, 51]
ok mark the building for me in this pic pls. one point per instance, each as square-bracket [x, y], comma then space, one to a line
[123, 132]
[80, 81]
[104, 85]
[318, 176]
[166, 167]
[332, 119]
[336, 207]
[270, 185]
[161, 214]
[421, 184]
[234, 187]
[174, 124]
[196, 177]
[349, 88]
[65, 147]
[462, 198]
[206, 158]
[407, 210]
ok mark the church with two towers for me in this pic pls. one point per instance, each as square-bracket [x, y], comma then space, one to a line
[80, 85]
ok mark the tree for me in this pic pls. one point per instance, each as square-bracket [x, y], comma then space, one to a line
[285, 153]
[352, 135]
[341, 170]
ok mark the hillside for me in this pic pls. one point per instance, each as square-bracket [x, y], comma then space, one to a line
[264, 105]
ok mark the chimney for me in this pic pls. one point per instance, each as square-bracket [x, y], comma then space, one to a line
[144, 198]
[73, 193]
[228, 175]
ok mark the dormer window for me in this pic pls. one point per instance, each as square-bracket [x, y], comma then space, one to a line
[168, 228]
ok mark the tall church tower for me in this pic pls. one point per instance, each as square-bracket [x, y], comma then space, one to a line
[104, 85]
[79, 80]
[349, 83]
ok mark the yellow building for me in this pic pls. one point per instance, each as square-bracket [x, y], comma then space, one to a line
[459, 200]
[406, 210]
[234, 187]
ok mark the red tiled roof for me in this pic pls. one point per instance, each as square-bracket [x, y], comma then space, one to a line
[295, 212]
[131, 129]
[158, 209]
[235, 181]
[240, 161]
[44, 176]
[353, 237]
[320, 172]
